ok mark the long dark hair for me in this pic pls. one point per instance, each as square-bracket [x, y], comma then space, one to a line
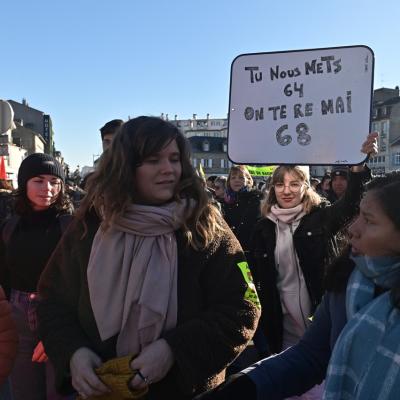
[111, 188]
[386, 190]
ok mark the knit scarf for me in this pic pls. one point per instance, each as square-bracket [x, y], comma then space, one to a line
[231, 196]
[295, 300]
[366, 358]
[287, 215]
[132, 276]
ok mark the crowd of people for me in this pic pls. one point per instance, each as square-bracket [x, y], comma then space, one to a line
[152, 281]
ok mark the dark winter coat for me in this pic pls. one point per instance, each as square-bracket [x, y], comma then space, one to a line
[215, 319]
[6, 204]
[26, 244]
[315, 244]
[242, 215]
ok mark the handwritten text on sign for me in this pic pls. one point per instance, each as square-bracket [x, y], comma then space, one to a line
[294, 94]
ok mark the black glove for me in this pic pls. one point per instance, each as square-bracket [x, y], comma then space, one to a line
[236, 387]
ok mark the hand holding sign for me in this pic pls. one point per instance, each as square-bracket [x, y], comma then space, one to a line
[369, 147]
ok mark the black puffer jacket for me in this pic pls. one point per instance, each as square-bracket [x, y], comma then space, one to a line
[242, 215]
[315, 242]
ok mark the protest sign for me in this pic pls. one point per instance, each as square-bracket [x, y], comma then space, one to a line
[300, 107]
[261, 170]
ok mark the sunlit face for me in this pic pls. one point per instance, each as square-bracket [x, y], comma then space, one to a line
[373, 233]
[158, 176]
[339, 185]
[237, 181]
[290, 192]
[42, 191]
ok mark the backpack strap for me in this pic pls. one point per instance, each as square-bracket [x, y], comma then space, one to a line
[8, 228]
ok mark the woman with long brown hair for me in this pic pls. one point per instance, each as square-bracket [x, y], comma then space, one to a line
[149, 283]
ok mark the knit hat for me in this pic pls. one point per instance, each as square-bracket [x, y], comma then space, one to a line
[38, 164]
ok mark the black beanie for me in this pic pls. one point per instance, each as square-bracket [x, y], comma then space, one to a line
[38, 164]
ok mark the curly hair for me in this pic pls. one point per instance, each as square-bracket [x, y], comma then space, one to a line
[111, 188]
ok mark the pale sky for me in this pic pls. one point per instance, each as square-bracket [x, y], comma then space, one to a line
[88, 61]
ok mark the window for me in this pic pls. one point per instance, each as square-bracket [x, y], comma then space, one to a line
[396, 159]
[383, 158]
[194, 162]
[210, 163]
[225, 147]
[223, 163]
[206, 145]
[202, 162]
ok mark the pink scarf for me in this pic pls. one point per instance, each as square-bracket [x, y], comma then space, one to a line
[286, 215]
[132, 276]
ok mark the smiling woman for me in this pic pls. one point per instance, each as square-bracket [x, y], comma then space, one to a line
[149, 280]
[26, 243]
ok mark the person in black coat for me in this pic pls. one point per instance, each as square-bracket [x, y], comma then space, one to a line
[241, 206]
[27, 241]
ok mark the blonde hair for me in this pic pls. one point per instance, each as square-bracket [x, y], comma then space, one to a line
[240, 169]
[310, 199]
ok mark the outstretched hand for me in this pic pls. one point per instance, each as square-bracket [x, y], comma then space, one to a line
[370, 147]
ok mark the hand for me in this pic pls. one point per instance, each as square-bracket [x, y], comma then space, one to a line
[84, 379]
[370, 147]
[153, 363]
[39, 354]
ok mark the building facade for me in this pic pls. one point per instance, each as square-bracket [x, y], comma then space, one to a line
[32, 132]
[209, 143]
[35, 120]
[386, 121]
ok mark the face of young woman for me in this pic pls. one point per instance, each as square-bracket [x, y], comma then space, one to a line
[373, 233]
[290, 192]
[158, 176]
[42, 191]
[237, 181]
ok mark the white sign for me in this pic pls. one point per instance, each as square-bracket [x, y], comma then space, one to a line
[300, 107]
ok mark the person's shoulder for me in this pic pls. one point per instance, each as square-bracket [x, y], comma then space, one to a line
[338, 272]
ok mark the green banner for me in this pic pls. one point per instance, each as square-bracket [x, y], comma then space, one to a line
[261, 171]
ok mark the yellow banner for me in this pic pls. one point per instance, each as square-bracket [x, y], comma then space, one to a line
[260, 170]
